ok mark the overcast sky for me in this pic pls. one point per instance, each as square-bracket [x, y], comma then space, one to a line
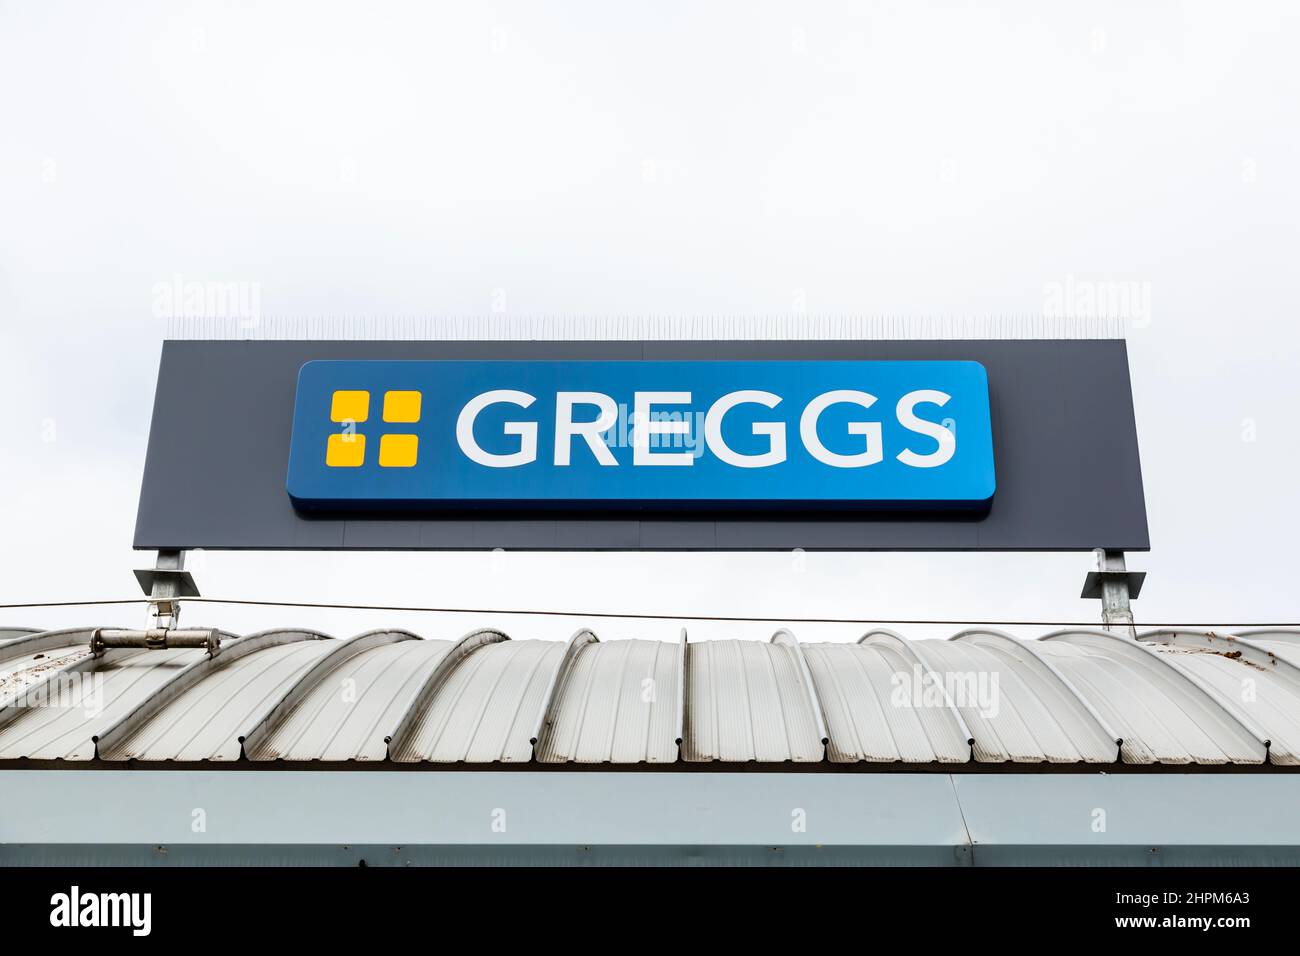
[681, 159]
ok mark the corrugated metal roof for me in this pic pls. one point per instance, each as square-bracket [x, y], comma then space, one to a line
[350, 713]
[209, 718]
[84, 698]
[750, 701]
[488, 708]
[1284, 644]
[1248, 681]
[1162, 716]
[1018, 707]
[618, 703]
[1072, 697]
[28, 657]
[860, 687]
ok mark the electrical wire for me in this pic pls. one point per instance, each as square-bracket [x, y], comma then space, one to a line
[617, 615]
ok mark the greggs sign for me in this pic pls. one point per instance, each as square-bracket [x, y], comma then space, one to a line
[433, 435]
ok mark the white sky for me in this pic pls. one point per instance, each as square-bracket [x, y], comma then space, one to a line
[657, 158]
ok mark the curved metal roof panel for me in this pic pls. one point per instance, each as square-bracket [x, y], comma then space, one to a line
[618, 703]
[209, 719]
[1018, 708]
[749, 701]
[28, 659]
[348, 714]
[1249, 681]
[488, 708]
[28, 645]
[1172, 697]
[1284, 644]
[877, 709]
[1161, 715]
[84, 698]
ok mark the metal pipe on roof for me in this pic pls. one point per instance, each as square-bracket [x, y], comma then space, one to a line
[157, 639]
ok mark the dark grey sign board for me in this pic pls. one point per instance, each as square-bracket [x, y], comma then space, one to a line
[1065, 444]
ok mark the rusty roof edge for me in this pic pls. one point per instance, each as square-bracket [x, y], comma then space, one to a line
[1179, 672]
[25, 644]
[13, 709]
[1254, 653]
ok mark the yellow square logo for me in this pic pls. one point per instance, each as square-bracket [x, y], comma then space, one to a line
[398, 451]
[350, 406]
[401, 406]
[346, 451]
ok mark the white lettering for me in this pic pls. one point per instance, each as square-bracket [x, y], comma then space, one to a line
[775, 431]
[527, 431]
[103, 909]
[566, 428]
[642, 454]
[808, 430]
[908, 419]
[693, 431]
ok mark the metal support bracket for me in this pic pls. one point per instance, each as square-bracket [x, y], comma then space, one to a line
[164, 583]
[154, 639]
[1115, 586]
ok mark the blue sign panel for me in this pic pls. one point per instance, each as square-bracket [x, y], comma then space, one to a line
[455, 435]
